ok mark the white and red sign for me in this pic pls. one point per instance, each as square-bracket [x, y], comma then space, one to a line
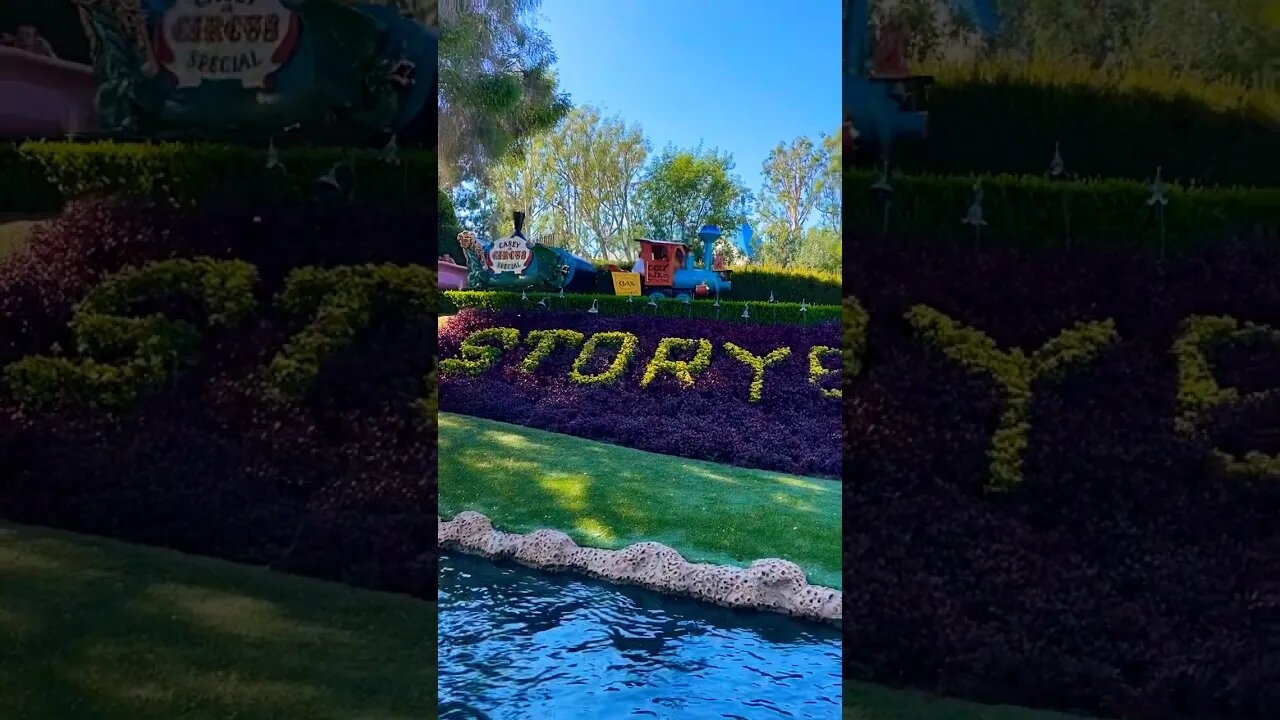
[511, 254]
[243, 40]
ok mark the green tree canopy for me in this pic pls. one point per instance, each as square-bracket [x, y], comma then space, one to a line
[577, 185]
[684, 189]
[795, 178]
[496, 85]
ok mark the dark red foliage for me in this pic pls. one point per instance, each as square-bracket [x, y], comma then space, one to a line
[340, 485]
[1126, 577]
[94, 237]
[793, 428]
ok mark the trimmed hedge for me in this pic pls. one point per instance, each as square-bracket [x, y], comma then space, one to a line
[126, 354]
[39, 175]
[1001, 118]
[340, 303]
[339, 484]
[731, 310]
[1027, 212]
[756, 282]
[1135, 548]
[96, 236]
[750, 389]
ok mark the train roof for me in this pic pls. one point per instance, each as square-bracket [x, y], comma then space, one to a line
[661, 242]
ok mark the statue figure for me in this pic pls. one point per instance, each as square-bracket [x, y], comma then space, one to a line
[129, 97]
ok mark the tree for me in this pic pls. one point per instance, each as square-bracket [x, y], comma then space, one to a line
[831, 183]
[684, 189]
[496, 85]
[577, 184]
[820, 249]
[793, 188]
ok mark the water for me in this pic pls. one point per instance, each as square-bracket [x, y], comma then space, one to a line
[519, 643]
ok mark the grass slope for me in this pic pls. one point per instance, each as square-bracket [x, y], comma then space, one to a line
[873, 702]
[609, 496]
[14, 230]
[92, 628]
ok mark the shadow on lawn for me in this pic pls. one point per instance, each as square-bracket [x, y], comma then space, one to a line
[103, 630]
[608, 496]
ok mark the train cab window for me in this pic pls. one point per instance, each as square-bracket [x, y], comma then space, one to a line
[659, 252]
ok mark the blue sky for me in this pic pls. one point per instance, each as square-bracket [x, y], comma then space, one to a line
[738, 75]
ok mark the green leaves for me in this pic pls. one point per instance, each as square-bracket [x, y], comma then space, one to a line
[626, 344]
[682, 370]
[684, 189]
[758, 365]
[340, 303]
[124, 356]
[1014, 371]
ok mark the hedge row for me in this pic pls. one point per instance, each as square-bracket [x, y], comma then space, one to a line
[39, 175]
[612, 305]
[1034, 212]
[1133, 545]
[757, 282]
[1000, 118]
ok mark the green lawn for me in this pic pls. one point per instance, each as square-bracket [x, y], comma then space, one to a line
[609, 496]
[873, 702]
[101, 630]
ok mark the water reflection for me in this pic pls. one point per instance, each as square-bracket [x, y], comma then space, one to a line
[518, 643]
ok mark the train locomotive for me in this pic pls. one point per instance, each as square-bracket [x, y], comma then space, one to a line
[668, 268]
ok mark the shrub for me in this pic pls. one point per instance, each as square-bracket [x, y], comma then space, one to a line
[477, 354]
[756, 283]
[1028, 212]
[1128, 557]
[687, 377]
[340, 303]
[682, 370]
[187, 173]
[817, 371]
[544, 342]
[151, 346]
[995, 118]
[758, 365]
[96, 236]
[338, 485]
[626, 343]
[613, 305]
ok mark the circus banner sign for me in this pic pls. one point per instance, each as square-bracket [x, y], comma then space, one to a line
[244, 40]
[511, 254]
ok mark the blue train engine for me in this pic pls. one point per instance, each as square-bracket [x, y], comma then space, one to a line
[667, 268]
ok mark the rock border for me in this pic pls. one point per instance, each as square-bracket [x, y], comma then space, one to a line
[770, 584]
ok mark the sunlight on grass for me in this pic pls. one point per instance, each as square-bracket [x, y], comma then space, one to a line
[610, 496]
[570, 491]
[595, 529]
[819, 486]
[238, 614]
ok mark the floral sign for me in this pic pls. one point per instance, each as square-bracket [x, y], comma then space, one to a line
[761, 396]
[244, 40]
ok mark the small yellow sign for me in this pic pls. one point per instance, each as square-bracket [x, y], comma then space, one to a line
[626, 283]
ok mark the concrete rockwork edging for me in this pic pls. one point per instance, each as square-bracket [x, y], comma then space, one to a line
[770, 584]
